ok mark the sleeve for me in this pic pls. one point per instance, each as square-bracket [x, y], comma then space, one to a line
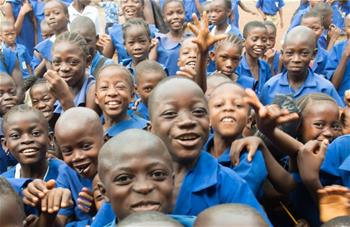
[281, 4]
[258, 4]
[333, 93]
[331, 65]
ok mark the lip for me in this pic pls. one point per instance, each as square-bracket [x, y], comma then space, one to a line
[188, 140]
[9, 104]
[113, 104]
[130, 11]
[137, 55]
[145, 206]
[228, 120]
[258, 51]
[191, 63]
[82, 169]
[29, 151]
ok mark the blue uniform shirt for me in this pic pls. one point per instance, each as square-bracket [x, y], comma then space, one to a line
[314, 83]
[222, 185]
[337, 161]
[95, 62]
[23, 58]
[189, 6]
[142, 110]
[133, 122]
[70, 179]
[44, 48]
[270, 7]
[168, 53]
[6, 159]
[334, 59]
[254, 172]
[235, 12]
[116, 33]
[264, 72]
[320, 61]
[296, 20]
[8, 60]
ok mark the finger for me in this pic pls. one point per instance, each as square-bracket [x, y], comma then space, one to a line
[37, 189]
[50, 184]
[195, 20]
[194, 30]
[287, 118]
[86, 195]
[66, 199]
[84, 209]
[57, 199]
[27, 201]
[219, 37]
[50, 201]
[252, 148]
[253, 100]
[323, 147]
[84, 202]
[44, 203]
[205, 20]
[235, 152]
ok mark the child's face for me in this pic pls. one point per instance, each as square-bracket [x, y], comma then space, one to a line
[26, 137]
[320, 121]
[188, 54]
[43, 100]
[113, 92]
[8, 97]
[315, 24]
[347, 27]
[297, 55]
[8, 35]
[55, 16]
[218, 12]
[271, 37]
[132, 8]
[227, 111]
[174, 16]
[46, 32]
[137, 43]
[8, 218]
[256, 41]
[180, 119]
[146, 83]
[227, 58]
[134, 186]
[69, 61]
[79, 147]
[98, 196]
[346, 121]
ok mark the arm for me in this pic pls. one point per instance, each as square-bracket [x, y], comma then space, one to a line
[280, 11]
[338, 75]
[245, 8]
[258, 7]
[108, 50]
[18, 78]
[333, 35]
[26, 8]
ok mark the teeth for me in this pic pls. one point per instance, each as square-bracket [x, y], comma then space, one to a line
[188, 137]
[227, 119]
[29, 150]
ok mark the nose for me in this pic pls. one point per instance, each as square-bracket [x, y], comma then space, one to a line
[111, 92]
[143, 186]
[64, 67]
[27, 138]
[229, 64]
[41, 105]
[296, 58]
[228, 107]
[328, 133]
[77, 155]
[186, 121]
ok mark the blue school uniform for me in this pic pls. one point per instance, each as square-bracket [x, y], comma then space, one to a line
[168, 53]
[44, 48]
[322, 41]
[23, 58]
[320, 61]
[222, 185]
[314, 83]
[70, 179]
[142, 110]
[270, 7]
[96, 60]
[275, 62]
[334, 59]
[296, 20]
[116, 33]
[186, 221]
[246, 82]
[264, 72]
[235, 12]
[52, 172]
[104, 215]
[337, 16]
[254, 172]
[336, 165]
[133, 122]
[189, 6]
[8, 60]
[6, 159]
[80, 98]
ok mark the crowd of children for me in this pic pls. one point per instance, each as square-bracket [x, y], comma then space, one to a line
[171, 115]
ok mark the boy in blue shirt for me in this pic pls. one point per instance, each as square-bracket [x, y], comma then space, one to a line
[299, 48]
[8, 34]
[268, 10]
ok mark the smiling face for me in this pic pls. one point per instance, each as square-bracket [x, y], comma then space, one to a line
[174, 15]
[320, 121]
[8, 97]
[69, 61]
[271, 37]
[256, 42]
[137, 43]
[114, 91]
[228, 111]
[42, 99]
[179, 116]
[314, 23]
[132, 8]
[55, 16]
[227, 58]
[26, 137]
[188, 53]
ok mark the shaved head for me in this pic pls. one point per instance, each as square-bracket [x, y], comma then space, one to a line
[300, 34]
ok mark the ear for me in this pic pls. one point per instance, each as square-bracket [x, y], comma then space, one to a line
[3, 143]
[314, 52]
[51, 137]
[103, 191]
[212, 55]
[149, 127]
[88, 60]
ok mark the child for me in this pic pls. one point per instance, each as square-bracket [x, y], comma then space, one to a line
[170, 43]
[8, 35]
[183, 125]
[271, 55]
[56, 15]
[227, 55]
[46, 30]
[345, 120]
[214, 80]
[255, 35]
[148, 218]
[299, 49]
[229, 215]
[228, 114]
[131, 9]
[191, 7]
[68, 80]
[268, 10]
[85, 27]
[234, 18]
[83, 8]
[313, 21]
[43, 100]
[137, 42]
[114, 91]
[111, 10]
[148, 74]
[339, 61]
[187, 54]
[27, 137]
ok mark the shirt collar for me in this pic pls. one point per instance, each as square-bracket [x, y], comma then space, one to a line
[309, 82]
[346, 164]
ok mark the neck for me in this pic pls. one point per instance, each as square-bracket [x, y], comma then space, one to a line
[137, 61]
[176, 35]
[221, 28]
[34, 171]
[78, 86]
[295, 80]
[79, 7]
[251, 60]
[12, 46]
[110, 121]
[64, 29]
[220, 145]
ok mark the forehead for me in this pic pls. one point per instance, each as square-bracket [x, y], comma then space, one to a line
[189, 44]
[85, 31]
[311, 20]
[113, 73]
[270, 30]
[218, 4]
[257, 31]
[173, 4]
[229, 48]
[7, 27]
[6, 81]
[153, 75]
[51, 5]
[135, 31]
[299, 42]
[39, 88]
[67, 48]
[228, 90]
[24, 117]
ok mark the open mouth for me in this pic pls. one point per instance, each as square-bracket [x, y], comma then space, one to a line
[188, 140]
[130, 11]
[113, 104]
[258, 51]
[28, 152]
[191, 63]
[82, 168]
[228, 120]
[146, 206]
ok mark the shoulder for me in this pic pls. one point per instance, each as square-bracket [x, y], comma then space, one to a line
[10, 173]
[273, 80]
[322, 82]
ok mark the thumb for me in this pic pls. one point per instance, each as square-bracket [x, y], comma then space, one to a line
[50, 184]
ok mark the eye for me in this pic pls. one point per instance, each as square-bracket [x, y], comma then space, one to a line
[319, 125]
[120, 87]
[147, 89]
[199, 112]
[86, 146]
[66, 151]
[123, 179]
[74, 62]
[159, 175]
[169, 114]
[14, 136]
[36, 133]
